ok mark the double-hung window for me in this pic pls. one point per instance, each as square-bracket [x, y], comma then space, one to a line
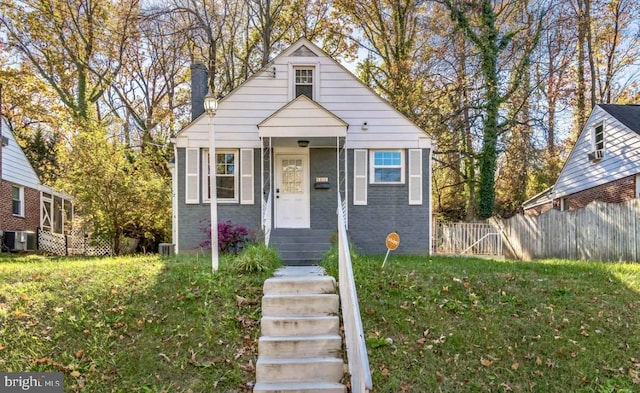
[304, 81]
[386, 167]
[598, 137]
[226, 175]
[17, 196]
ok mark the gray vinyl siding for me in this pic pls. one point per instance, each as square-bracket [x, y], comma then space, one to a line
[620, 157]
[193, 218]
[387, 211]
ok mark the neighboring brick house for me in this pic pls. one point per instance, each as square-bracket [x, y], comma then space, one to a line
[292, 137]
[604, 164]
[26, 205]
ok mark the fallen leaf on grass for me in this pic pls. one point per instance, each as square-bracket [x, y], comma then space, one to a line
[486, 362]
[75, 373]
[515, 366]
[80, 353]
[438, 376]
[634, 376]
[165, 357]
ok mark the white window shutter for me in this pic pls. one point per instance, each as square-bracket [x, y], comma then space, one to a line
[359, 177]
[415, 177]
[246, 177]
[192, 176]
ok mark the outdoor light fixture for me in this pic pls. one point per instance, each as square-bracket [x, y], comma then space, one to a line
[365, 126]
[210, 104]
[303, 143]
[210, 108]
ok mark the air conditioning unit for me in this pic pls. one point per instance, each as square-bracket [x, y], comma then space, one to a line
[21, 241]
[166, 249]
[596, 155]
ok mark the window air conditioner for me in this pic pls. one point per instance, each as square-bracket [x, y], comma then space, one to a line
[596, 155]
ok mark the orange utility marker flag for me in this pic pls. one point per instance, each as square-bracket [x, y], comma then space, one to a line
[393, 241]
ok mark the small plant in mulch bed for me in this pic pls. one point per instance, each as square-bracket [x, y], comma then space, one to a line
[231, 237]
[255, 258]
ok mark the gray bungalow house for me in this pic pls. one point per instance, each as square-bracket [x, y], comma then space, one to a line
[290, 140]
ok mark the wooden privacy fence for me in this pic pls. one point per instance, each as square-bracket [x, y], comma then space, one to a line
[467, 238]
[598, 232]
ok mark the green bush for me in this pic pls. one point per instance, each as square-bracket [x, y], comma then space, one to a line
[255, 258]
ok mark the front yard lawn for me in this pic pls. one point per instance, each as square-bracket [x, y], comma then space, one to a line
[134, 324]
[433, 324]
[440, 324]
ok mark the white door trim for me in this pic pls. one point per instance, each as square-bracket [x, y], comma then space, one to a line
[304, 205]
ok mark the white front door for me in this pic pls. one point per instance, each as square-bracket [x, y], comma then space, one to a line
[292, 191]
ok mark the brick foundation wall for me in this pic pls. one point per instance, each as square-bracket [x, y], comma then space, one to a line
[31, 219]
[614, 192]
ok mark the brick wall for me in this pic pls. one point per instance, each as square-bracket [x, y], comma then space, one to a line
[388, 210]
[323, 201]
[614, 192]
[31, 219]
[192, 218]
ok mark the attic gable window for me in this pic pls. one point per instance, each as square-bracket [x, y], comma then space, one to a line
[597, 146]
[304, 81]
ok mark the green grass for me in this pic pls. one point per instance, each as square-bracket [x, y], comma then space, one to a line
[474, 325]
[146, 324]
[135, 324]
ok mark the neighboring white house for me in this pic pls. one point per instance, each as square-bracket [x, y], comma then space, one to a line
[26, 204]
[603, 165]
[291, 138]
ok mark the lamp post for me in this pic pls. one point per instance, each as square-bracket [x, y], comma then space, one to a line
[210, 108]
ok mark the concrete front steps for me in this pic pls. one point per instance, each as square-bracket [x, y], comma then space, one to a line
[300, 350]
[301, 246]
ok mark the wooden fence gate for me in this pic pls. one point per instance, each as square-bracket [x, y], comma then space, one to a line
[467, 239]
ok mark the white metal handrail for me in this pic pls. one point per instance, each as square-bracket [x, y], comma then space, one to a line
[354, 333]
[266, 219]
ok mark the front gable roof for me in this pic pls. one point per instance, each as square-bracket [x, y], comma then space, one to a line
[254, 108]
[629, 115]
[620, 158]
[302, 117]
[16, 168]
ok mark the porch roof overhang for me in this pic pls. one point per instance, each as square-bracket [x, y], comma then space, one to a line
[302, 118]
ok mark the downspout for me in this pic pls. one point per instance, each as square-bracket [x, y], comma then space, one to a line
[430, 196]
[262, 207]
[174, 198]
